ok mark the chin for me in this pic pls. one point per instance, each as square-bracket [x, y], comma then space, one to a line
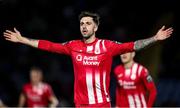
[124, 62]
[86, 36]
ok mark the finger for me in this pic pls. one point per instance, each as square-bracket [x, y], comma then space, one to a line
[16, 30]
[162, 28]
[5, 33]
[8, 31]
[8, 39]
[168, 36]
[170, 29]
[7, 36]
[169, 33]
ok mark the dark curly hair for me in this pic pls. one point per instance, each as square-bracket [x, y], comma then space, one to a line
[95, 16]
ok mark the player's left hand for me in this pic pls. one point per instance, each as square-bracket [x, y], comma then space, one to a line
[163, 33]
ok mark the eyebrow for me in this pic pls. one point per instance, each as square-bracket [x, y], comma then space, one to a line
[86, 22]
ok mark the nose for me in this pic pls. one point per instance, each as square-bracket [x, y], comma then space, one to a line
[84, 27]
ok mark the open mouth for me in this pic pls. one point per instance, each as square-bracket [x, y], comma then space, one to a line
[84, 31]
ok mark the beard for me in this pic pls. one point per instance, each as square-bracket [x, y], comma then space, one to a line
[87, 36]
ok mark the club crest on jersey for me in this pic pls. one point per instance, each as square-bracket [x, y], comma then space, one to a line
[89, 49]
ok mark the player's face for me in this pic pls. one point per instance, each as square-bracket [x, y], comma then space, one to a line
[87, 27]
[126, 57]
[35, 76]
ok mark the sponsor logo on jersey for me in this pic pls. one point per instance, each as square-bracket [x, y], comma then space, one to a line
[127, 84]
[88, 60]
[79, 58]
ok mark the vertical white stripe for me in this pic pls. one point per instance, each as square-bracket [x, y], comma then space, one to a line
[98, 88]
[97, 47]
[104, 48]
[139, 70]
[131, 101]
[143, 101]
[104, 85]
[137, 100]
[133, 72]
[90, 90]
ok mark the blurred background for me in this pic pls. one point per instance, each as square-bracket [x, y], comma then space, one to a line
[57, 21]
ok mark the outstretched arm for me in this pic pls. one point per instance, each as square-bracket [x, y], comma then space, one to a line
[162, 34]
[15, 36]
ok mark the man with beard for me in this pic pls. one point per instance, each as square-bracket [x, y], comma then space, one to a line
[91, 57]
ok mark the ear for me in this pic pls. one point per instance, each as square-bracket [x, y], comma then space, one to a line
[95, 27]
[133, 54]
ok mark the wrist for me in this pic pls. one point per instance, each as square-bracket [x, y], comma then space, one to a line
[23, 40]
[155, 38]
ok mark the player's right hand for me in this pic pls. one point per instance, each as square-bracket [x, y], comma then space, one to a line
[13, 36]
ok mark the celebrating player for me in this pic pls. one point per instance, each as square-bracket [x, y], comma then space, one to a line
[91, 57]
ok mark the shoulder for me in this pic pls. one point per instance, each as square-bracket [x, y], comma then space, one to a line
[26, 86]
[143, 68]
[143, 71]
[46, 86]
[111, 41]
[140, 66]
[72, 42]
[118, 68]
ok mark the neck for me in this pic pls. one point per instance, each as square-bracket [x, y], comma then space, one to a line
[129, 64]
[35, 83]
[90, 39]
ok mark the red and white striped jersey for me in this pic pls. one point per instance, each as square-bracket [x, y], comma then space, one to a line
[92, 66]
[37, 96]
[133, 85]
